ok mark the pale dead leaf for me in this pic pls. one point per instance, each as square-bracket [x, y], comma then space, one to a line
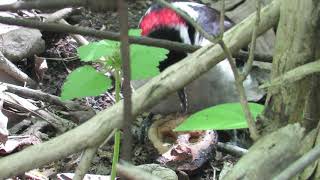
[69, 176]
[40, 67]
[15, 99]
[17, 142]
[36, 175]
[3, 125]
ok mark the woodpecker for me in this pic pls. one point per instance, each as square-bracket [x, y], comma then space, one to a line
[164, 23]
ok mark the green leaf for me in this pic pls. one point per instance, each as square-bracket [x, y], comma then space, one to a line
[220, 117]
[84, 81]
[145, 61]
[95, 50]
[134, 32]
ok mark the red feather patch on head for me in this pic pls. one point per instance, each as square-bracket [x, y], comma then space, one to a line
[158, 18]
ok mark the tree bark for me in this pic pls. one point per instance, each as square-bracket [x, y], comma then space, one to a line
[295, 46]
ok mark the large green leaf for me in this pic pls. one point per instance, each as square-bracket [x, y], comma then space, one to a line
[95, 50]
[220, 117]
[135, 32]
[84, 81]
[145, 61]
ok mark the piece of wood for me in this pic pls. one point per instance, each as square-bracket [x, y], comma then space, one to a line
[270, 155]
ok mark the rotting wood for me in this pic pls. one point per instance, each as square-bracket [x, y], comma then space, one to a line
[270, 155]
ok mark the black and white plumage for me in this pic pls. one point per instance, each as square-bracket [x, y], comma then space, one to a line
[163, 23]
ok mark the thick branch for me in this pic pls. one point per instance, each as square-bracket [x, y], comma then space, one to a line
[295, 74]
[300, 164]
[175, 77]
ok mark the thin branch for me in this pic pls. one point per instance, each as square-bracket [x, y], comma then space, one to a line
[62, 28]
[239, 81]
[300, 164]
[39, 95]
[248, 66]
[294, 74]
[58, 28]
[257, 56]
[189, 20]
[94, 131]
[243, 97]
[232, 149]
[85, 162]
[126, 148]
[222, 11]
[60, 14]
[79, 38]
[98, 5]
[8, 67]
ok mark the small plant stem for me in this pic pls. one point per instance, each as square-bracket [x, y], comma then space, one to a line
[118, 84]
[116, 151]
[117, 138]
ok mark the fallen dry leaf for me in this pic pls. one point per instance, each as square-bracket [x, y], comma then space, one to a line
[3, 125]
[69, 176]
[17, 142]
[40, 67]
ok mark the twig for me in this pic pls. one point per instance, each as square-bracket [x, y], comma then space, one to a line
[243, 97]
[222, 11]
[80, 39]
[60, 14]
[126, 148]
[262, 65]
[8, 67]
[239, 78]
[60, 124]
[189, 20]
[85, 162]
[54, 27]
[232, 149]
[300, 164]
[98, 5]
[39, 95]
[294, 74]
[94, 131]
[74, 58]
[248, 65]
[257, 56]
